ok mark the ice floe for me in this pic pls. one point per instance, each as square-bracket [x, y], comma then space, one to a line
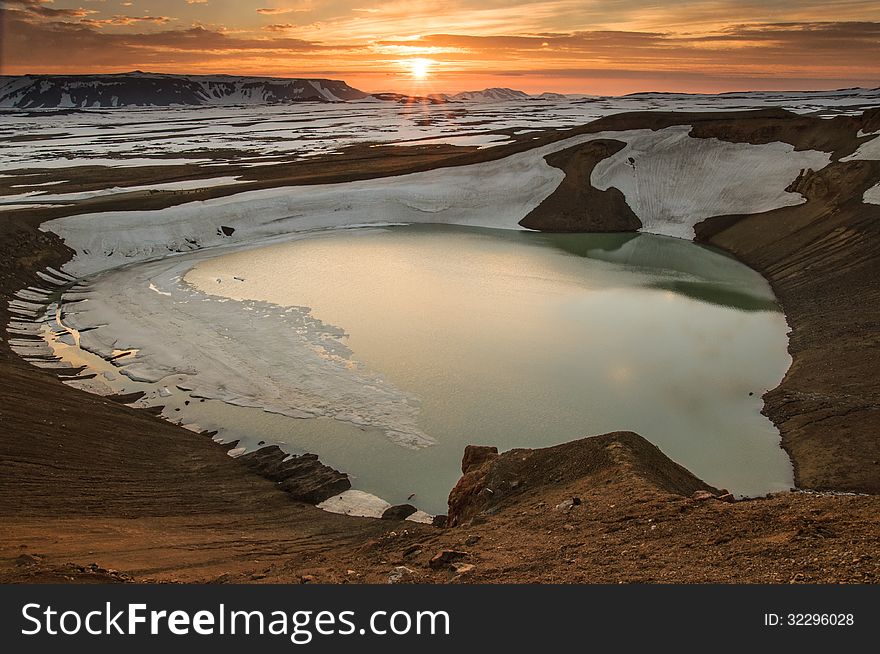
[186, 337]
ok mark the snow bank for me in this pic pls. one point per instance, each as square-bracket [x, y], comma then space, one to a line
[672, 181]
[185, 185]
[355, 502]
[868, 149]
[493, 194]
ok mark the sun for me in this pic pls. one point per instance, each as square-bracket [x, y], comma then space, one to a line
[420, 68]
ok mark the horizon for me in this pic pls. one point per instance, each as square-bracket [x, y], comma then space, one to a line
[448, 93]
[605, 47]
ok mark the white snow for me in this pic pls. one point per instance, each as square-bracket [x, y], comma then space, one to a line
[184, 185]
[491, 95]
[673, 181]
[161, 136]
[421, 517]
[13, 207]
[185, 338]
[481, 140]
[867, 150]
[493, 194]
[677, 181]
[59, 181]
[872, 195]
[355, 502]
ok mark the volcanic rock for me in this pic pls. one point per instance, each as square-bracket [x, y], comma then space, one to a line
[304, 477]
[445, 558]
[400, 574]
[398, 512]
[477, 455]
[560, 464]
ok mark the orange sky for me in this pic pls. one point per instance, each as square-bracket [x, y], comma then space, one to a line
[414, 46]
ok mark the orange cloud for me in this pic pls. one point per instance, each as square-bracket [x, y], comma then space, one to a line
[279, 27]
[126, 20]
[567, 45]
[274, 12]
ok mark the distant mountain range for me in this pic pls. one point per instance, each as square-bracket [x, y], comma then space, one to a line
[496, 95]
[139, 89]
[154, 89]
[486, 95]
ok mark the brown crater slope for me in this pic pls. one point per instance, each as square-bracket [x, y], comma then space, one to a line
[823, 261]
[577, 206]
[87, 480]
[614, 509]
[490, 481]
[606, 509]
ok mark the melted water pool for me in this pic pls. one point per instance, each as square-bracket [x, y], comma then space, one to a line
[513, 339]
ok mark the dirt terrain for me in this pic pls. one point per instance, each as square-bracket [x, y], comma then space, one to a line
[96, 491]
[613, 513]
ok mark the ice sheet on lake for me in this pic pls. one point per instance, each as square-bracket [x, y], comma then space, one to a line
[227, 350]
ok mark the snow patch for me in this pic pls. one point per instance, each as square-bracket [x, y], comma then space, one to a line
[673, 181]
[867, 150]
[355, 502]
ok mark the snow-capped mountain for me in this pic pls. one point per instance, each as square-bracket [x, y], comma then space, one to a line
[495, 95]
[155, 89]
[486, 95]
[490, 95]
[869, 95]
[552, 96]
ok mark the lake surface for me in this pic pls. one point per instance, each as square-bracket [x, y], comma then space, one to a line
[477, 336]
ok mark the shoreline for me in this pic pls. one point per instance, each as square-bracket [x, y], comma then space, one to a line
[31, 250]
[171, 388]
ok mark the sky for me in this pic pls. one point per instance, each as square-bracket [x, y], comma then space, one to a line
[605, 47]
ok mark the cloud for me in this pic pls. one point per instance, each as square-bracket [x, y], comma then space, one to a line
[627, 39]
[279, 27]
[39, 8]
[815, 33]
[30, 45]
[126, 20]
[776, 46]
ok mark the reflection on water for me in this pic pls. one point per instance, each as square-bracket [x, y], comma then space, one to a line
[520, 339]
[715, 293]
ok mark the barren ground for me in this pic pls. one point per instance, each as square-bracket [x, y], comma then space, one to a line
[86, 480]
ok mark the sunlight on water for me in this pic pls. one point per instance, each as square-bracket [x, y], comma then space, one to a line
[521, 340]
